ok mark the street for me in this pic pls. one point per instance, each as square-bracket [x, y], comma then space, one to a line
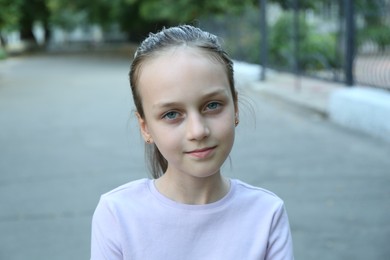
[68, 134]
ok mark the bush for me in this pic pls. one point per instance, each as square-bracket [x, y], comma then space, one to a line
[316, 51]
[378, 34]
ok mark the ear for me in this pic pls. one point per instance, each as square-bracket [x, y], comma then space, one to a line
[144, 128]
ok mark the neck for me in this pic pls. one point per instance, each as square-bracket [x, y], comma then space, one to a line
[193, 190]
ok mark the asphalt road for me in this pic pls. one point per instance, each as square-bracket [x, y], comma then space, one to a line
[68, 134]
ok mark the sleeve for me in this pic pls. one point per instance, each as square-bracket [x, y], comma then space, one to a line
[280, 245]
[105, 243]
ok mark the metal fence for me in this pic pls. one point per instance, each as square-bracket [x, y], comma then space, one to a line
[372, 60]
[308, 41]
[337, 40]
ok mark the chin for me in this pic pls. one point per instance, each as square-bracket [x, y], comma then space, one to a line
[204, 173]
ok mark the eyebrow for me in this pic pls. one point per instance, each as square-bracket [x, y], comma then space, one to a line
[217, 92]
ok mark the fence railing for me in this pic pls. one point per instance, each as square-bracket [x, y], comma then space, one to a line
[337, 40]
[372, 59]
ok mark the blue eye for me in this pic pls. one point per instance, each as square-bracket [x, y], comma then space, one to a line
[213, 106]
[171, 115]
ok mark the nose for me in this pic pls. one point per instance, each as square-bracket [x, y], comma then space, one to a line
[197, 128]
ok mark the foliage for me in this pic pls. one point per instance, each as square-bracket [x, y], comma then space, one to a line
[281, 39]
[379, 34]
[371, 10]
[302, 4]
[316, 51]
[319, 52]
[65, 14]
[33, 11]
[138, 17]
[376, 26]
[9, 14]
[184, 11]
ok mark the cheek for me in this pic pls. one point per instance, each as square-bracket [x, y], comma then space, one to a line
[225, 127]
[166, 140]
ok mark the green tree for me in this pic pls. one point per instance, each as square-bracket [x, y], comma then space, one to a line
[9, 16]
[184, 11]
[33, 11]
[9, 13]
[135, 17]
[302, 4]
[138, 17]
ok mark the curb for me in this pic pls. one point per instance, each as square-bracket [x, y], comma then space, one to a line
[364, 109]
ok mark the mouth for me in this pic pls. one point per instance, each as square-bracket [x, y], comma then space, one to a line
[202, 153]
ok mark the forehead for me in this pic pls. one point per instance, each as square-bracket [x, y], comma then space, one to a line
[174, 54]
[181, 69]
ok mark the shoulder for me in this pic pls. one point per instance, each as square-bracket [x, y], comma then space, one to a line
[128, 187]
[115, 206]
[248, 193]
[126, 193]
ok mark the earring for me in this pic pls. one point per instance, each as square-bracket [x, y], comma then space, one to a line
[236, 122]
[148, 141]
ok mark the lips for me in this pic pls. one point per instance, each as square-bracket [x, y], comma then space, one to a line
[202, 153]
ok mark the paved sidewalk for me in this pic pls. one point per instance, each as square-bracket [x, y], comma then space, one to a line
[358, 108]
[302, 91]
[309, 93]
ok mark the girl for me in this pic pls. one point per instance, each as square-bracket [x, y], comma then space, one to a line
[186, 104]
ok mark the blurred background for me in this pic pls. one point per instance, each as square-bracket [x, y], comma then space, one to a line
[313, 79]
[338, 40]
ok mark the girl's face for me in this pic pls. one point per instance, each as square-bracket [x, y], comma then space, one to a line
[189, 110]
